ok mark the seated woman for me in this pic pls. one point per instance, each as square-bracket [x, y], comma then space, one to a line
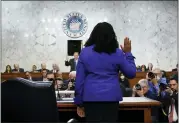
[143, 68]
[34, 69]
[8, 69]
[124, 81]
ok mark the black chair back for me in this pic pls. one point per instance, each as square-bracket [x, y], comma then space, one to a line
[27, 101]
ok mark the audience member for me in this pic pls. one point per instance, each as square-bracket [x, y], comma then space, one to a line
[8, 69]
[124, 81]
[44, 75]
[71, 86]
[138, 68]
[169, 100]
[55, 68]
[17, 69]
[34, 69]
[150, 67]
[142, 90]
[152, 82]
[73, 62]
[43, 67]
[72, 76]
[143, 68]
[29, 77]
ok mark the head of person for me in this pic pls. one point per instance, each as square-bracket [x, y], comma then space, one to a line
[157, 73]
[138, 67]
[50, 76]
[8, 69]
[173, 83]
[76, 55]
[44, 73]
[70, 84]
[34, 68]
[59, 84]
[144, 85]
[103, 38]
[72, 75]
[150, 66]
[27, 75]
[143, 68]
[55, 66]
[43, 66]
[16, 66]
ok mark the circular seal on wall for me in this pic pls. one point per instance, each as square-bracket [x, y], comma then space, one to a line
[75, 25]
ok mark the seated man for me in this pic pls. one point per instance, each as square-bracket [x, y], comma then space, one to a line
[44, 76]
[43, 67]
[55, 68]
[72, 76]
[17, 69]
[58, 83]
[29, 77]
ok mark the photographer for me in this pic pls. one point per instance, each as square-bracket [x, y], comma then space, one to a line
[169, 99]
[152, 82]
[142, 90]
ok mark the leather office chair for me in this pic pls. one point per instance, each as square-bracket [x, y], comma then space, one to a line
[26, 101]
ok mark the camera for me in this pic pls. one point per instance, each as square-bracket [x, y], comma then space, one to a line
[138, 87]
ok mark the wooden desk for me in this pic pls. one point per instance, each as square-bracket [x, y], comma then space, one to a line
[128, 103]
[132, 82]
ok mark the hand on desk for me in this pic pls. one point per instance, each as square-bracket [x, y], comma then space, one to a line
[80, 112]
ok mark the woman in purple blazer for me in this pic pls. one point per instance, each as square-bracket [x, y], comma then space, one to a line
[97, 88]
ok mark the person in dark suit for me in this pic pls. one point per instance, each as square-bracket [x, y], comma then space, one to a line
[72, 62]
[55, 68]
[43, 67]
[124, 81]
[169, 100]
[97, 86]
[29, 77]
[17, 69]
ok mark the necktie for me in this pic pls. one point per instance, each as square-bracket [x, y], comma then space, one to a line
[170, 118]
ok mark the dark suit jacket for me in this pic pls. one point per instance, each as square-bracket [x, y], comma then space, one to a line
[71, 63]
[166, 102]
[52, 71]
[20, 70]
[40, 70]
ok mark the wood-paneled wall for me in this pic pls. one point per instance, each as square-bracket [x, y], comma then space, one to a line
[139, 75]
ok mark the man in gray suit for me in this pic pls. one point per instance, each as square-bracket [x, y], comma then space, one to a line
[73, 62]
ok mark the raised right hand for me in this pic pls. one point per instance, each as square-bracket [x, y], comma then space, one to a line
[127, 45]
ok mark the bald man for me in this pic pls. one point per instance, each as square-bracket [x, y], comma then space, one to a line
[43, 67]
[17, 69]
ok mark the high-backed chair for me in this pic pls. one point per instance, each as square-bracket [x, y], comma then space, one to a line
[26, 101]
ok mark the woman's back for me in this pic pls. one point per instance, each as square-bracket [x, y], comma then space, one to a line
[101, 74]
